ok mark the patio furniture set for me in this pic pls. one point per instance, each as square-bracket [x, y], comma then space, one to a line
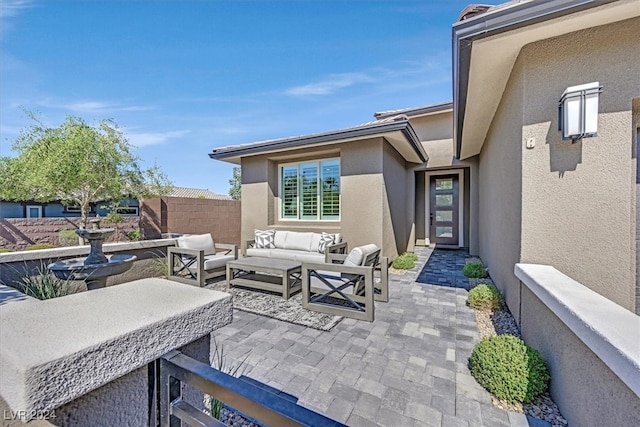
[330, 280]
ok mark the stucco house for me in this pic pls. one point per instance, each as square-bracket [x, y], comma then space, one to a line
[490, 171]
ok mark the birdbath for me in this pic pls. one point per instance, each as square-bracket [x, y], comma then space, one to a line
[95, 268]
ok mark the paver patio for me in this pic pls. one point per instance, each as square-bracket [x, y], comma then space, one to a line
[407, 368]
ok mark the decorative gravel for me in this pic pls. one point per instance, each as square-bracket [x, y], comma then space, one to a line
[233, 419]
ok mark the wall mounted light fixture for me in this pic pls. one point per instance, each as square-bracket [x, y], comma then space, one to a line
[578, 111]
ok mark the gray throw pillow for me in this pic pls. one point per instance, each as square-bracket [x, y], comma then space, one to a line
[326, 240]
[265, 239]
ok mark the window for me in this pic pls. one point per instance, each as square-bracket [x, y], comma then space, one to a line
[34, 211]
[311, 190]
[127, 210]
[73, 209]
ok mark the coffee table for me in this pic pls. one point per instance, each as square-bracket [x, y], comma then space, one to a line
[269, 274]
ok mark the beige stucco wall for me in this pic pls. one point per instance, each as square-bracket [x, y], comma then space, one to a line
[578, 199]
[499, 190]
[436, 135]
[376, 194]
[582, 385]
[433, 126]
[568, 205]
[398, 208]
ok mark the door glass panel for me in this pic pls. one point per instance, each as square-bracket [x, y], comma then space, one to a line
[444, 184]
[444, 199]
[444, 231]
[444, 216]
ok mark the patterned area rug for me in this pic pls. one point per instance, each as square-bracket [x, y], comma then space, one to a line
[272, 305]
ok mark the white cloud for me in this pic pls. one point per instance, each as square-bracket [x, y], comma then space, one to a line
[330, 84]
[412, 73]
[13, 7]
[95, 107]
[153, 138]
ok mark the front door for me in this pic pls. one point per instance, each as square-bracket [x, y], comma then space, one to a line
[443, 218]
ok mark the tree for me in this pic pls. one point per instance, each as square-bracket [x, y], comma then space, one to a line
[78, 165]
[236, 184]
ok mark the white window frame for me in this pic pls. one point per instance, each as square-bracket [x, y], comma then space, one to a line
[137, 211]
[38, 207]
[281, 195]
[73, 209]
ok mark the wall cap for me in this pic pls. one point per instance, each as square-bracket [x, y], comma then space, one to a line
[606, 328]
[76, 251]
[57, 350]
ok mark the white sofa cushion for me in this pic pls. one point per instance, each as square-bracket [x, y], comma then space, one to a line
[290, 254]
[199, 242]
[298, 241]
[280, 238]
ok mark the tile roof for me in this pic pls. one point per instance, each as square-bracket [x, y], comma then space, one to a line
[196, 193]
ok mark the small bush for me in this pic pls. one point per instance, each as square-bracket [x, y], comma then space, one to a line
[485, 297]
[406, 261]
[475, 269]
[509, 368]
[5, 250]
[134, 235]
[68, 237]
[39, 246]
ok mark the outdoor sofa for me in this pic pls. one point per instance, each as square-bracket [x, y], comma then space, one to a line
[196, 258]
[294, 245]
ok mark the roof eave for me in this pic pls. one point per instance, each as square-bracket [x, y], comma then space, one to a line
[403, 126]
[490, 23]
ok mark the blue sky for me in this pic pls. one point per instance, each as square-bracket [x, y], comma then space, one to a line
[183, 77]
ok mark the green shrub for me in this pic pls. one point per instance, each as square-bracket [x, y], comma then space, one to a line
[475, 269]
[5, 250]
[159, 264]
[134, 235]
[406, 261]
[39, 246]
[44, 285]
[68, 237]
[485, 297]
[509, 368]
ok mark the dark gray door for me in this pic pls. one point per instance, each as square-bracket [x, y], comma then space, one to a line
[443, 217]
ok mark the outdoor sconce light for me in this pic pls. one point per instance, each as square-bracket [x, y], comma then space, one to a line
[578, 111]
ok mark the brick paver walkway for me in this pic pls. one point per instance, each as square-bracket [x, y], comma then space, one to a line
[407, 368]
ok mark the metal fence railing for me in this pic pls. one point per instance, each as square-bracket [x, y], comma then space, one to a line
[175, 369]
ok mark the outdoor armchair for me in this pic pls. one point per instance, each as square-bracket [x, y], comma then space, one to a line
[197, 258]
[346, 285]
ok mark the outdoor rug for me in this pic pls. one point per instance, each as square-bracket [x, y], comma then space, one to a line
[273, 305]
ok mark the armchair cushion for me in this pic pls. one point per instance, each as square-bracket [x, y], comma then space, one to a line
[213, 262]
[199, 242]
[358, 255]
